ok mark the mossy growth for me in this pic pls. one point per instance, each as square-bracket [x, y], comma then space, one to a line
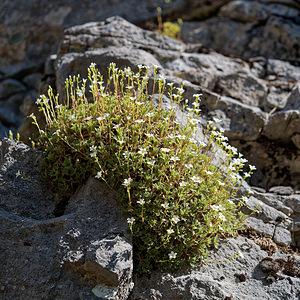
[178, 204]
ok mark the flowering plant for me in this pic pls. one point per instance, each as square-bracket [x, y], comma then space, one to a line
[178, 203]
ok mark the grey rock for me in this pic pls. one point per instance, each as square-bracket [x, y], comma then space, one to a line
[33, 80]
[31, 30]
[282, 125]
[282, 236]
[78, 63]
[58, 257]
[296, 140]
[9, 87]
[261, 29]
[242, 121]
[244, 87]
[282, 190]
[265, 212]
[293, 201]
[267, 229]
[218, 278]
[275, 201]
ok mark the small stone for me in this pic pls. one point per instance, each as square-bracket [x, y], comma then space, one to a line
[281, 190]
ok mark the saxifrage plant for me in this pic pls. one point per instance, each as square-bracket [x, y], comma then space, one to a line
[177, 202]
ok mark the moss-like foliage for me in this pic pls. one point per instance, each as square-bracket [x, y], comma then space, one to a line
[178, 203]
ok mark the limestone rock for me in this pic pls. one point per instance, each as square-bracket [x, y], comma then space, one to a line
[50, 252]
[221, 277]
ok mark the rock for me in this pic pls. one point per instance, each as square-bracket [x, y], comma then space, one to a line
[267, 229]
[281, 190]
[59, 253]
[217, 278]
[71, 64]
[296, 140]
[10, 87]
[261, 29]
[44, 24]
[242, 121]
[282, 236]
[33, 80]
[293, 201]
[244, 87]
[282, 125]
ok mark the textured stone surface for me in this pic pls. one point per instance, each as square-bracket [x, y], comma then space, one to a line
[46, 256]
[261, 29]
[221, 277]
[31, 30]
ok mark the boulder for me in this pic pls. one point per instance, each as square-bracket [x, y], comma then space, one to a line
[59, 248]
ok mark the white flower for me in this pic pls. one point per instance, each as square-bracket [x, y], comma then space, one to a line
[120, 141]
[245, 199]
[192, 140]
[189, 166]
[181, 137]
[139, 103]
[92, 65]
[79, 93]
[222, 217]
[99, 174]
[126, 154]
[194, 121]
[170, 231]
[71, 117]
[217, 207]
[142, 151]
[175, 219]
[56, 132]
[182, 183]
[252, 167]
[116, 126]
[127, 182]
[165, 205]
[216, 120]
[18, 174]
[165, 150]
[180, 90]
[149, 115]
[202, 144]
[246, 175]
[100, 118]
[221, 183]
[132, 98]
[130, 220]
[141, 201]
[93, 148]
[172, 255]
[196, 179]
[170, 84]
[129, 87]
[58, 106]
[93, 154]
[88, 118]
[208, 172]
[38, 101]
[174, 158]
[197, 95]
[151, 162]
[139, 121]
[149, 135]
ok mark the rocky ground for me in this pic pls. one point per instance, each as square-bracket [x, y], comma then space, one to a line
[243, 56]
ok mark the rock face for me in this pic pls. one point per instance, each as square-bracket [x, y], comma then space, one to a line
[48, 252]
[250, 28]
[53, 248]
[255, 99]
